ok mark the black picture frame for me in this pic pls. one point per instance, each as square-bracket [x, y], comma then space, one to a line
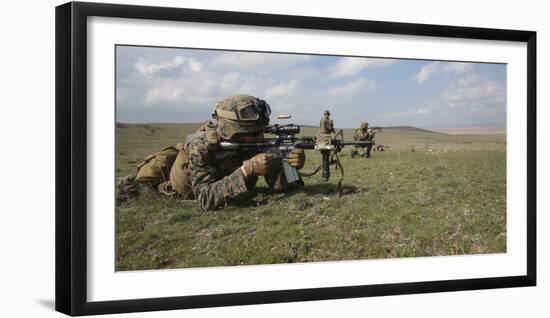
[71, 157]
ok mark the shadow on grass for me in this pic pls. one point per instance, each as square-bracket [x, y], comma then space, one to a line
[265, 195]
[259, 197]
[328, 189]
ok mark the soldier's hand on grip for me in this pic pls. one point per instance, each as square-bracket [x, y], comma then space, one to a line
[261, 164]
[297, 158]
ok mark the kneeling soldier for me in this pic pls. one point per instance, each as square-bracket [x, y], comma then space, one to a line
[364, 133]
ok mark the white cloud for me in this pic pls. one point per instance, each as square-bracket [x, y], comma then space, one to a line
[186, 83]
[407, 114]
[207, 87]
[202, 88]
[186, 80]
[470, 99]
[194, 65]
[351, 66]
[476, 94]
[163, 94]
[178, 64]
[350, 88]
[282, 89]
[181, 95]
[424, 111]
[255, 61]
[434, 68]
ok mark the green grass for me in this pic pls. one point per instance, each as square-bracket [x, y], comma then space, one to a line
[429, 194]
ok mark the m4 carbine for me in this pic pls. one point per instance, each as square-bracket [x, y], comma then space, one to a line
[329, 145]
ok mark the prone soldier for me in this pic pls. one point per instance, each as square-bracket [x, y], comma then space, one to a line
[216, 177]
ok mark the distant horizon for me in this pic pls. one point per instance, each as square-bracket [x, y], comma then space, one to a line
[486, 126]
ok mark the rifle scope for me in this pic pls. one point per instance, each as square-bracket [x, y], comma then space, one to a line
[277, 129]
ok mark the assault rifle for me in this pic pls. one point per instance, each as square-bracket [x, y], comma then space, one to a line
[329, 145]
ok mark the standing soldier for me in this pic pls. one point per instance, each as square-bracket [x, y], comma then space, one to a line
[326, 125]
[364, 133]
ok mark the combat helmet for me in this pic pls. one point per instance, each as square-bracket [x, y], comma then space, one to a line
[365, 125]
[241, 114]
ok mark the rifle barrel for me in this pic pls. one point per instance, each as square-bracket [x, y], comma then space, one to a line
[244, 145]
[358, 143]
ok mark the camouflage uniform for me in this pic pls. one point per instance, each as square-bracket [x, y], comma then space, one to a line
[216, 178]
[128, 187]
[212, 176]
[326, 125]
[363, 134]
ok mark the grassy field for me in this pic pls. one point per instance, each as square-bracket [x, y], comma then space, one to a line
[428, 194]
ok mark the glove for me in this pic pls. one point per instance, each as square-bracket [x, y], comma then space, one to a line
[261, 164]
[297, 158]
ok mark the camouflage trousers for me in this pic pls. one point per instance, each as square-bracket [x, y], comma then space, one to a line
[128, 188]
[361, 152]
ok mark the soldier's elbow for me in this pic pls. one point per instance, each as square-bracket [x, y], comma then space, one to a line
[207, 205]
[205, 201]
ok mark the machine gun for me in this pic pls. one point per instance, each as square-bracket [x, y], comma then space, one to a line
[329, 145]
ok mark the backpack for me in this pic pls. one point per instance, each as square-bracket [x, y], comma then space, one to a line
[155, 168]
[179, 176]
[180, 180]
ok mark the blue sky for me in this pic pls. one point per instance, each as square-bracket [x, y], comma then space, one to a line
[183, 85]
